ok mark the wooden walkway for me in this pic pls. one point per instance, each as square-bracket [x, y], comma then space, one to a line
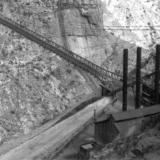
[49, 142]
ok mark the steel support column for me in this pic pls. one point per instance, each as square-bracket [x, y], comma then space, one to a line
[125, 78]
[138, 79]
[157, 71]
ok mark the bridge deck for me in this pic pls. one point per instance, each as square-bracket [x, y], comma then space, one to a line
[50, 141]
[95, 70]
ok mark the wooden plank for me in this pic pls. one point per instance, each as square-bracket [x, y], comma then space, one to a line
[134, 114]
[49, 141]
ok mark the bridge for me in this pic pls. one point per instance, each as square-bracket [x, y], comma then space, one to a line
[103, 75]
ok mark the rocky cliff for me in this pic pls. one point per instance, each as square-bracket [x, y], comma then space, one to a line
[135, 21]
[36, 85]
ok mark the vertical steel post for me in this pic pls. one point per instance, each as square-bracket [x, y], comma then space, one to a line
[62, 27]
[138, 79]
[94, 116]
[157, 71]
[125, 78]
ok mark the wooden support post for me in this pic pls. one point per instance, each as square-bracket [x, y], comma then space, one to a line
[125, 78]
[157, 71]
[138, 80]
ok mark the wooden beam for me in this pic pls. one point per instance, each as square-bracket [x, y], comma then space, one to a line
[131, 122]
[135, 114]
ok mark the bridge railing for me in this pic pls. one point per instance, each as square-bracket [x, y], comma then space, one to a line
[97, 71]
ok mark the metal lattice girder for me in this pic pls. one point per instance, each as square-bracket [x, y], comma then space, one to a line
[97, 71]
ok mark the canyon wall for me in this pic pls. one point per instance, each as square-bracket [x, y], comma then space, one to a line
[35, 84]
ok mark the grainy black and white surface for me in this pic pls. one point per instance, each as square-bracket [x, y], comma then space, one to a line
[37, 86]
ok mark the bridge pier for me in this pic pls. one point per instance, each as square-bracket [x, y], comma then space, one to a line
[138, 80]
[157, 71]
[125, 78]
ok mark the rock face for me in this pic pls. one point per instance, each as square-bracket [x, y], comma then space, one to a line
[134, 21]
[36, 85]
[83, 32]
